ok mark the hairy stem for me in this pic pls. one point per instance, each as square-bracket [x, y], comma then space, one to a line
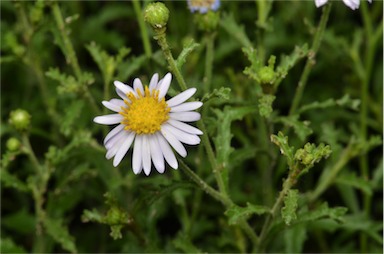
[143, 28]
[310, 61]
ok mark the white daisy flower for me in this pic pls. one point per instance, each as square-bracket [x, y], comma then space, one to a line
[353, 4]
[151, 123]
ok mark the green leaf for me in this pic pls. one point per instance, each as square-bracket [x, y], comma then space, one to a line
[72, 113]
[68, 83]
[116, 232]
[12, 181]
[20, 222]
[127, 68]
[219, 95]
[351, 179]
[282, 141]
[288, 212]
[224, 135]
[287, 62]
[236, 31]
[294, 238]
[322, 212]
[237, 213]
[60, 234]
[93, 215]
[265, 105]
[256, 64]
[183, 242]
[345, 101]
[8, 246]
[377, 178]
[188, 47]
[300, 127]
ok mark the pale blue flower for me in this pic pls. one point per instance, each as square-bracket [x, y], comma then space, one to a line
[203, 6]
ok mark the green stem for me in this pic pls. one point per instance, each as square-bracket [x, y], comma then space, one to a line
[70, 54]
[310, 61]
[162, 41]
[210, 40]
[143, 28]
[205, 187]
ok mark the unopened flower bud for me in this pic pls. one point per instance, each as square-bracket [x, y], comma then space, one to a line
[208, 21]
[13, 144]
[20, 119]
[266, 75]
[156, 14]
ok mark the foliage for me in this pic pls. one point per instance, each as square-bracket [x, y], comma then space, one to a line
[291, 156]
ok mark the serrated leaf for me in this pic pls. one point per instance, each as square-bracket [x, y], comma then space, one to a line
[236, 31]
[301, 128]
[288, 212]
[183, 243]
[187, 49]
[60, 234]
[265, 104]
[351, 179]
[287, 62]
[93, 215]
[116, 232]
[282, 142]
[12, 181]
[345, 101]
[221, 95]
[294, 238]
[224, 135]
[72, 113]
[237, 213]
[127, 68]
[7, 245]
[68, 83]
[321, 212]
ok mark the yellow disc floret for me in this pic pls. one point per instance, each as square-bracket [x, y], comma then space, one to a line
[144, 114]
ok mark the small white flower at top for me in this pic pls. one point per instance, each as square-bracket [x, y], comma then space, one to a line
[353, 4]
[151, 123]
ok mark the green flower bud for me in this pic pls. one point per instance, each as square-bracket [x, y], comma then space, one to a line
[20, 119]
[115, 216]
[266, 75]
[208, 21]
[13, 144]
[156, 14]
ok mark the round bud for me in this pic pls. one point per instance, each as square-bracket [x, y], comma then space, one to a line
[156, 14]
[266, 75]
[13, 144]
[20, 119]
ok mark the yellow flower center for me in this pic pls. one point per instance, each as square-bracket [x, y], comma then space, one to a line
[144, 114]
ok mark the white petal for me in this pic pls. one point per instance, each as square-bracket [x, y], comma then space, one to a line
[113, 132]
[182, 136]
[185, 127]
[164, 86]
[353, 4]
[185, 116]
[111, 106]
[153, 82]
[157, 155]
[121, 94]
[174, 142]
[319, 3]
[123, 87]
[138, 85]
[117, 102]
[114, 140]
[146, 155]
[187, 106]
[137, 155]
[167, 151]
[108, 119]
[113, 149]
[180, 98]
[123, 149]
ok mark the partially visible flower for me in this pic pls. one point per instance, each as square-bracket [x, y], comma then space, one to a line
[353, 4]
[203, 6]
[152, 123]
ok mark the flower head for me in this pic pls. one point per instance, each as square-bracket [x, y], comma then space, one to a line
[353, 4]
[203, 6]
[152, 124]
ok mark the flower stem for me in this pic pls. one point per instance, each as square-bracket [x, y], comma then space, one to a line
[143, 28]
[162, 41]
[310, 61]
[70, 54]
[210, 38]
